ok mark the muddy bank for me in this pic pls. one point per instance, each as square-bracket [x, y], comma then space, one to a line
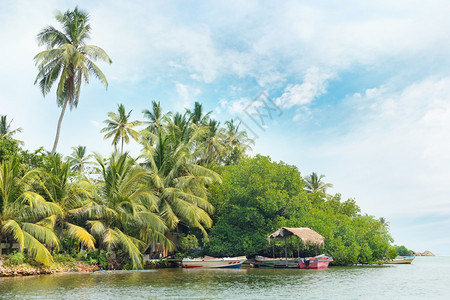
[26, 270]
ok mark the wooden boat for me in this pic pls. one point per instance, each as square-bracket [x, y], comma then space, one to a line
[316, 262]
[401, 260]
[213, 262]
[280, 262]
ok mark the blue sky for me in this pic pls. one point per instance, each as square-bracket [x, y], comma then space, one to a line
[362, 88]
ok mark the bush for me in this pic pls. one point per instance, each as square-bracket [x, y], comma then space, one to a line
[403, 251]
[188, 245]
[17, 258]
[63, 258]
[94, 257]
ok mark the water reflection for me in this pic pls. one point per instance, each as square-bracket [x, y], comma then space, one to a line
[426, 278]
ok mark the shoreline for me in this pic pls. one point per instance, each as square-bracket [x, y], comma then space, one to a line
[27, 270]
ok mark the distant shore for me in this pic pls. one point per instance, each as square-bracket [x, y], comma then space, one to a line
[425, 253]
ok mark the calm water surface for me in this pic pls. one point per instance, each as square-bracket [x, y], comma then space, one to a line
[425, 278]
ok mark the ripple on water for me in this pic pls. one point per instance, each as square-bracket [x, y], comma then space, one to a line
[426, 278]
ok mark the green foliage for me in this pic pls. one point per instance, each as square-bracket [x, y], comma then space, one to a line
[63, 258]
[188, 245]
[403, 251]
[259, 196]
[97, 258]
[17, 258]
[392, 253]
[8, 149]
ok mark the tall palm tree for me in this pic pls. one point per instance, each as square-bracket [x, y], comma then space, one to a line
[22, 210]
[79, 159]
[179, 183]
[5, 130]
[237, 142]
[128, 217]
[314, 183]
[68, 60]
[155, 117]
[119, 128]
[212, 145]
[196, 116]
[72, 197]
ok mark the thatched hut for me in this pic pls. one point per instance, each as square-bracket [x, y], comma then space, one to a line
[306, 235]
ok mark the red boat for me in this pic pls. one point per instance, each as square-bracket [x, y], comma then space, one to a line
[316, 262]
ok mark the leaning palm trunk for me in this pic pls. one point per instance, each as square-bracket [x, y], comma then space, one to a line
[58, 128]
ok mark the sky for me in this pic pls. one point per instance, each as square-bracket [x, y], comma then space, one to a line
[356, 90]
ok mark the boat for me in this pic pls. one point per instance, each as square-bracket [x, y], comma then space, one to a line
[401, 260]
[316, 262]
[213, 262]
[280, 262]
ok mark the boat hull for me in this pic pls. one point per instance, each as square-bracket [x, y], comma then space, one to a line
[401, 260]
[268, 262]
[212, 263]
[317, 262]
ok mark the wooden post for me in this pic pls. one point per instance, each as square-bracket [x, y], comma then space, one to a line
[285, 250]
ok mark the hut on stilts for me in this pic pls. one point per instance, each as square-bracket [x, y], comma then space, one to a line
[306, 235]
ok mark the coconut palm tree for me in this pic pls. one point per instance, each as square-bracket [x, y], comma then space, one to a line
[72, 198]
[127, 218]
[314, 183]
[78, 160]
[196, 116]
[178, 182]
[237, 142]
[6, 132]
[68, 60]
[119, 128]
[155, 117]
[212, 145]
[22, 210]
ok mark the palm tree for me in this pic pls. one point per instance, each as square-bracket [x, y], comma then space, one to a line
[128, 217]
[384, 223]
[314, 183]
[68, 60]
[22, 211]
[78, 160]
[72, 197]
[212, 145]
[178, 182]
[119, 128]
[155, 117]
[196, 116]
[237, 142]
[6, 132]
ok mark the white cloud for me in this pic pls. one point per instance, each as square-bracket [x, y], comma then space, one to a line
[237, 106]
[397, 155]
[187, 95]
[314, 85]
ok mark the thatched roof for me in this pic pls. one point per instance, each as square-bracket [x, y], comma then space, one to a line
[307, 235]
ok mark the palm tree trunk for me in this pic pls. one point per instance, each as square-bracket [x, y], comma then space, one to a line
[58, 129]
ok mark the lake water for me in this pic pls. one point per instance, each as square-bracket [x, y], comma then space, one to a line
[425, 278]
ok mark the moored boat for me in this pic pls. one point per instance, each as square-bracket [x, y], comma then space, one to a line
[316, 262]
[213, 262]
[401, 260]
[268, 262]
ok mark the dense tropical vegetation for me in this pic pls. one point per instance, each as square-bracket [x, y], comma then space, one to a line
[193, 189]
